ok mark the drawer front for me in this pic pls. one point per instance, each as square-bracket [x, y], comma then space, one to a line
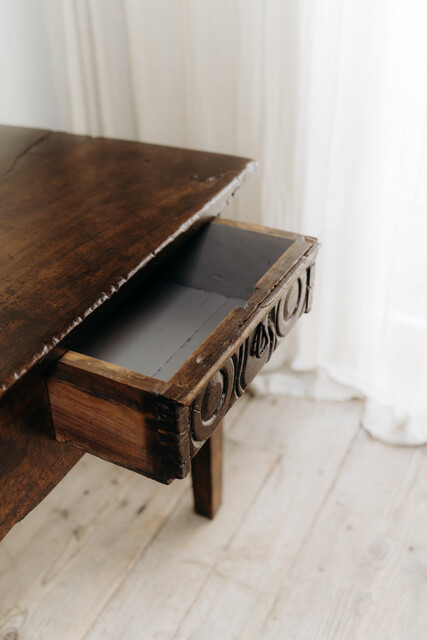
[230, 380]
[155, 426]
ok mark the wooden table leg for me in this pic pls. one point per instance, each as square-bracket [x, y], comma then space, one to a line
[206, 470]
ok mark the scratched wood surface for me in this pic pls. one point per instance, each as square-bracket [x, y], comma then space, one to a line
[80, 217]
[322, 539]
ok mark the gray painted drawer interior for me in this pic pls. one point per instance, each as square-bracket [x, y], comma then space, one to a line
[162, 323]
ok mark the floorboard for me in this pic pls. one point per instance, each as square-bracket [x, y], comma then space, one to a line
[361, 572]
[321, 535]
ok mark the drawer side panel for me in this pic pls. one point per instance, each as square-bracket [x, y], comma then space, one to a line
[118, 423]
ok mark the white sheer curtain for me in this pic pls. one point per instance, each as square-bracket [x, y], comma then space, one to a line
[331, 98]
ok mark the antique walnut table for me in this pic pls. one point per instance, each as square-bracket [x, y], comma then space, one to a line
[131, 317]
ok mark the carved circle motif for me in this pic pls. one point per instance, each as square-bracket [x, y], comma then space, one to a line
[213, 401]
[289, 307]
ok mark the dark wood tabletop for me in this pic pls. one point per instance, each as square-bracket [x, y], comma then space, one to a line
[81, 219]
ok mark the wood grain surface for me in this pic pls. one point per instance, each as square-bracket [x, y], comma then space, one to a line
[31, 461]
[80, 217]
[206, 472]
[320, 537]
[120, 416]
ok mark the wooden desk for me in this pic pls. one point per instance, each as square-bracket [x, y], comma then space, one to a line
[86, 225]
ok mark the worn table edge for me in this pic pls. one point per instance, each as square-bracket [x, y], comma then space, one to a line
[40, 359]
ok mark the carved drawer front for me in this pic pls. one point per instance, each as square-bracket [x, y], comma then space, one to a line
[147, 386]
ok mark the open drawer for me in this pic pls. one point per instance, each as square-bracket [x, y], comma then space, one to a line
[150, 383]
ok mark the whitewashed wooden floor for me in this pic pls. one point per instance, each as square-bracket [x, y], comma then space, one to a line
[322, 534]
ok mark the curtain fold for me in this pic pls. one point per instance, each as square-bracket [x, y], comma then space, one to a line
[331, 98]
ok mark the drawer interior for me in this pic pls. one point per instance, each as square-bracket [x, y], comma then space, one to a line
[167, 317]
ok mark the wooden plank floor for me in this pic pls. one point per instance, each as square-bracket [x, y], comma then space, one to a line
[322, 534]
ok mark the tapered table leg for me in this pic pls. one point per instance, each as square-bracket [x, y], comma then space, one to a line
[206, 471]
